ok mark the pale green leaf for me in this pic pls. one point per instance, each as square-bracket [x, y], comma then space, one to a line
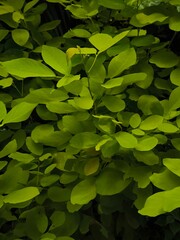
[55, 58]
[22, 195]
[19, 113]
[113, 103]
[141, 19]
[165, 180]
[80, 195]
[103, 41]
[146, 143]
[161, 202]
[26, 67]
[6, 82]
[67, 80]
[114, 82]
[167, 128]
[151, 122]
[22, 157]
[126, 139]
[77, 32]
[9, 148]
[135, 120]
[121, 62]
[20, 36]
[83, 102]
[174, 77]
[173, 165]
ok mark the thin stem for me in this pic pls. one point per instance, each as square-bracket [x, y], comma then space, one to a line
[14, 85]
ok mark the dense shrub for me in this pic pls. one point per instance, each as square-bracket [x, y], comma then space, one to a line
[90, 120]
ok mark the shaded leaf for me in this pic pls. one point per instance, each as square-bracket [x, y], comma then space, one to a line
[80, 195]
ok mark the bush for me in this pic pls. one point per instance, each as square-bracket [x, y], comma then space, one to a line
[90, 119]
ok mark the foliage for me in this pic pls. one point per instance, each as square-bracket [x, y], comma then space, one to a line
[90, 120]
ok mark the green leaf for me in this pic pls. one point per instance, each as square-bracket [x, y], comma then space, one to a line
[19, 113]
[35, 148]
[165, 180]
[45, 95]
[174, 101]
[84, 140]
[161, 202]
[83, 102]
[173, 165]
[168, 128]
[164, 59]
[57, 194]
[113, 103]
[140, 174]
[20, 36]
[174, 77]
[46, 135]
[146, 143]
[77, 32]
[55, 58]
[146, 103]
[151, 122]
[91, 166]
[60, 107]
[80, 195]
[144, 66]
[135, 120]
[49, 26]
[134, 78]
[45, 114]
[22, 157]
[67, 80]
[174, 22]
[176, 143]
[3, 164]
[30, 5]
[103, 41]
[113, 4]
[57, 219]
[22, 195]
[121, 62]
[6, 82]
[6, 9]
[143, 41]
[71, 124]
[141, 19]
[3, 110]
[65, 238]
[114, 82]
[9, 148]
[126, 139]
[49, 180]
[26, 67]
[148, 157]
[110, 182]
[3, 33]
